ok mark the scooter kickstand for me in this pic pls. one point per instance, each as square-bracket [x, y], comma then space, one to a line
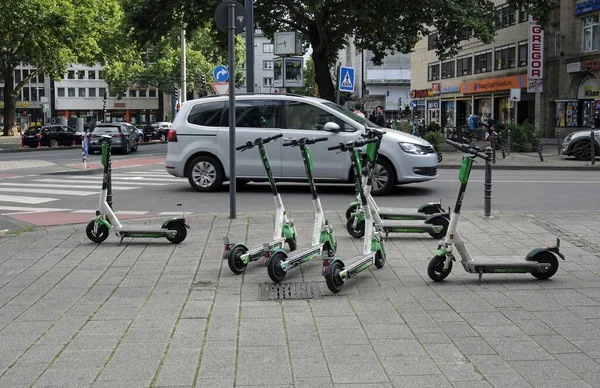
[480, 271]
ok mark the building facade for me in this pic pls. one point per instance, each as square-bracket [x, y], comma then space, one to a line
[479, 79]
[263, 65]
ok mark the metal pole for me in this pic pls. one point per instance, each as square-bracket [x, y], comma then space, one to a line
[487, 186]
[109, 177]
[509, 145]
[183, 93]
[493, 148]
[558, 142]
[250, 46]
[592, 148]
[231, 48]
[338, 94]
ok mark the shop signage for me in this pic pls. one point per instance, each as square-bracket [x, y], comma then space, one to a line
[20, 104]
[573, 67]
[120, 105]
[435, 88]
[587, 6]
[591, 65]
[535, 66]
[450, 89]
[535, 86]
[494, 84]
[588, 89]
[435, 104]
[423, 93]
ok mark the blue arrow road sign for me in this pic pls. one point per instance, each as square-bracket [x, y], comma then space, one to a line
[221, 74]
[346, 79]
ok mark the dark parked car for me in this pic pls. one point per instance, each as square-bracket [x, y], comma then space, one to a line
[157, 131]
[139, 134]
[123, 137]
[51, 136]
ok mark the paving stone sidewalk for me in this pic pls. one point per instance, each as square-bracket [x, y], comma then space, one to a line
[149, 313]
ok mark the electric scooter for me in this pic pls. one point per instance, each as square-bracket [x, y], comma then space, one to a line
[323, 238]
[97, 230]
[334, 270]
[238, 255]
[390, 220]
[541, 262]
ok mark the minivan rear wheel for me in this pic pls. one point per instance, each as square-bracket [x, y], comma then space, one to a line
[384, 178]
[205, 173]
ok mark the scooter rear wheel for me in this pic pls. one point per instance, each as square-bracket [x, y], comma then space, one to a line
[357, 232]
[379, 260]
[546, 257]
[351, 209]
[181, 232]
[100, 235]
[440, 221]
[333, 278]
[435, 269]
[292, 244]
[234, 259]
[276, 273]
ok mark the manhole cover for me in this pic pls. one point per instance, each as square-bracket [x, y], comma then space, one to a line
[282, 291]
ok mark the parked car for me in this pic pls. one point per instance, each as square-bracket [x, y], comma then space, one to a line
[123, 137]
[198, 143]
[139, 134]
[577, 144]
[157, 131]
[53, 135]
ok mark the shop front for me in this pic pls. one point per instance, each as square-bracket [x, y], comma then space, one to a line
[582, 111]
[135, 117]
[420, 100]
[27, 113]
[449, 106]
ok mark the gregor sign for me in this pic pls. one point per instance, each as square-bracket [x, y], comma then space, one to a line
[535, 69]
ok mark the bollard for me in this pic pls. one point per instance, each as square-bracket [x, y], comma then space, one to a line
[592, 148]
[508, 145]
[558, 142]
[487, 185]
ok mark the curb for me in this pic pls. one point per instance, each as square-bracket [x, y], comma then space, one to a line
[91, 171]
[522, 167]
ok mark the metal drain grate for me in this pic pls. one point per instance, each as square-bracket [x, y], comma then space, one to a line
[283, 291]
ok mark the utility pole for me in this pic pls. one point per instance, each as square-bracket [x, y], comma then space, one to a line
[183, 68]
[250, 46]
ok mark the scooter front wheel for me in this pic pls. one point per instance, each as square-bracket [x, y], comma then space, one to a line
[99, 235]
[181, 232]
[276, 273]
[333, 279]
[358, 231]
[435, 269]
[234, 259]
[546, 257]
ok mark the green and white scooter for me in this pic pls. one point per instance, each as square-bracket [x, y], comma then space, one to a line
[334, 270]
[97, 230]
[541, 262]
[323, 238]
[390, 220]
[239, 255]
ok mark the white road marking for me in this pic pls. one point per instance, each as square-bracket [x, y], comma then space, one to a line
[22, 209]
[174, 213]
[55, 192]
[524, 181]
[116, 188]
[25, 200]
[93, 180]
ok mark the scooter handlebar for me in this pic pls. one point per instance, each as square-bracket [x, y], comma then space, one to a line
[352, 144]
[251, 144]
[245, 146]
[304, 140]
[467, 149]
[268, 139]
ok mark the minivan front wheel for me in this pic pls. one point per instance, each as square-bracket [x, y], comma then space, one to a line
[384, 178]
[205, 173]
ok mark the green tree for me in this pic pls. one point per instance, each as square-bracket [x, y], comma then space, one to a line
[308, 87]
[326, 25]
[50, 35]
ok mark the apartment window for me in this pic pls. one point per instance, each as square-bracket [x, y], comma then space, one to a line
[60, 92]
[267, 47]
[152, 93]
[41, 92]
[432, 41]
[25, 74]
[557, 44]
[91, 74]
[268, 81]
[17, 75]
[40, 79]
[590, 33]
[483, 62]
[448, 69]
[465, 34]
[81, 74]
[101, 74]
[523, 17]
[523, 48]
[267, 65]
[92, 92]
[25, 94]
[101, 92]
[505, 57]
[71, 92]
[132, 93]
[71, 74]
[142, 93]
[34, 95]
[433, 71]
[464, 65]
[81, 92]
[507, 16]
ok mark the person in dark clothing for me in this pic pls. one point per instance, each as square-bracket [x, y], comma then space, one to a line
[380, 118]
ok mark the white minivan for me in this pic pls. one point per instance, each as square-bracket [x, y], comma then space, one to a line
[198, 142]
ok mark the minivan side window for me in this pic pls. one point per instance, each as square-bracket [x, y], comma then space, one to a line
[300, 115]
[208, 114]
[255, 114]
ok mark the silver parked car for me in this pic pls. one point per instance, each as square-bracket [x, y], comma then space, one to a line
[198, 146]
[577, 144]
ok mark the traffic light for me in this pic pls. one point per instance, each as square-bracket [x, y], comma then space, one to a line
[175, 94]
[387, 93]
[203, 80]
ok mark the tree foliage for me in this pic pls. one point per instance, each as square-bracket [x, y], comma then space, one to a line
[308, 87]
[50, 35]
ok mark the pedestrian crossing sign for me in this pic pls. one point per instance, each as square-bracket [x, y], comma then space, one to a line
[346, 79]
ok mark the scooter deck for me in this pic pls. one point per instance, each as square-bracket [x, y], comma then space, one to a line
[405, 226]
[300, 256]
[389, 212]
[258, 252]
[359, 263]
[144, 231]
[502, 261]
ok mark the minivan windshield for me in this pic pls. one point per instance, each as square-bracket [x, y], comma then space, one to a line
[350, 114]
[106, 130]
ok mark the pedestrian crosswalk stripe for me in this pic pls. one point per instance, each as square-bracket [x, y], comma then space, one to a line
[25, 200]
[123, 178]
[122, 212]
[22, 209]
[46, 191]
[150, 174]
[90, 186]
[92, 181]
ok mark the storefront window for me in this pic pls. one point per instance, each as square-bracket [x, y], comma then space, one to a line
[589, 113]
[567, 114]
[483, 108]
[448, 114]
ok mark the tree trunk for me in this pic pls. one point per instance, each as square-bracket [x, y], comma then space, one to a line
[10, 101]
[320, 60]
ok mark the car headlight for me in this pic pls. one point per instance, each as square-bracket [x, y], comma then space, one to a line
[413, 148]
